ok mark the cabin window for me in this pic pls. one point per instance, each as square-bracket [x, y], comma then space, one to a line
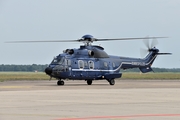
[81, 64]
[68, 62]
[105, 64]
[91, 65]
[85, 63]
[114, 65]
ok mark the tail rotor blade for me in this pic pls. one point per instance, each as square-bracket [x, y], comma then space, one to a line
[146, 42]
[149, 45]
[143, 52]
[154, 43]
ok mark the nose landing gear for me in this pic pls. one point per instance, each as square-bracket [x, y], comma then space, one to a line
[60, 82]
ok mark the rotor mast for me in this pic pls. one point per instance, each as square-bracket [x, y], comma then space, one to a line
[87, 40]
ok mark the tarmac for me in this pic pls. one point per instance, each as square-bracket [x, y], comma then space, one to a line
[126, 100]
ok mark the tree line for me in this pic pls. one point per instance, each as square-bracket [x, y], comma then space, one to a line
[24, 68]
[41, 68]
[155, 70]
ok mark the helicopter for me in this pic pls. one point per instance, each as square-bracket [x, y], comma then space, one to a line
[90, 62]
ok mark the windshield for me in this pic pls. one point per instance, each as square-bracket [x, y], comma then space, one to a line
[58, 60]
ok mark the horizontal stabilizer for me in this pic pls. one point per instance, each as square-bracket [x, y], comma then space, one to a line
[145, 69]
[164, 53]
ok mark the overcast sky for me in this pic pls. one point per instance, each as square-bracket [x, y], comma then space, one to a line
[71, 19]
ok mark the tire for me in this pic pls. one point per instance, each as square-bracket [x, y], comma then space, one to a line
[59, 82]
[111, 81]
[89, 82]
[62, 82]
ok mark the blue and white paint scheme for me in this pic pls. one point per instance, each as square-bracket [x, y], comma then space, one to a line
[92, 63]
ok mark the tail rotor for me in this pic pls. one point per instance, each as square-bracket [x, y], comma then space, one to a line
[149, 46]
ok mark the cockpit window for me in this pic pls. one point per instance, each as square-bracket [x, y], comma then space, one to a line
[58, 60]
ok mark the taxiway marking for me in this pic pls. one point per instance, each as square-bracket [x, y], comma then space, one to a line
[125, 116]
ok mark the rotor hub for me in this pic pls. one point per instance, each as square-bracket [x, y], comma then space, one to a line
[87, 39]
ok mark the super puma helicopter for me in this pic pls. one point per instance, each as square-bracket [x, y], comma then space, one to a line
[91, 62]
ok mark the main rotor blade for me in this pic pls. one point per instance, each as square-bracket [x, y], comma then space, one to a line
[129, 38]
[42, 41]
[79, 40]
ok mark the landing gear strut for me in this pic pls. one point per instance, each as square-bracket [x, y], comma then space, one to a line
[60, 82]
[111, 81]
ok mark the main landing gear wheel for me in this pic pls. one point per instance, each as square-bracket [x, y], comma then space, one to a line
[111, 81]
[60, 82]
[89, 82]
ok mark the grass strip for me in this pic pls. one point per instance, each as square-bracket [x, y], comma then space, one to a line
[23, 76]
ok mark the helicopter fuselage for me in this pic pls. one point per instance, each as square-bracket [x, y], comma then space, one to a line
[93, 63]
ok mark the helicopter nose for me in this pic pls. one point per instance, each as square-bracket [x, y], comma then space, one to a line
[48, 70]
